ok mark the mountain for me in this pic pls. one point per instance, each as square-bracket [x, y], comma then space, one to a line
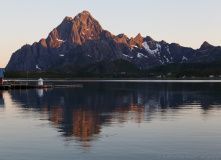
[81, 44]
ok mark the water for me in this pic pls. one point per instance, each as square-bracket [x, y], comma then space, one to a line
[157, 121]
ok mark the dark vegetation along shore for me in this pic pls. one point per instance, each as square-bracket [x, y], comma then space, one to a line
[122, 69]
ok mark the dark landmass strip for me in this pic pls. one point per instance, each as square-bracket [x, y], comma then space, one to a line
[123, 69]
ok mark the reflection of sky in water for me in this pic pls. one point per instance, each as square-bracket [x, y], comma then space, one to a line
[124, 121]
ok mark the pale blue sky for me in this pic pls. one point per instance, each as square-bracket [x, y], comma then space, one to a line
[188, 22]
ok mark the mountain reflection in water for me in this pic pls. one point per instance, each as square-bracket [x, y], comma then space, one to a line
[81, 113]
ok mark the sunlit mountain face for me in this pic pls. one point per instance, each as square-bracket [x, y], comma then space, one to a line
[81, 114]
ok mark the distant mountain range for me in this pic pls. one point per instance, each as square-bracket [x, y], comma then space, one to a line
[80, 44]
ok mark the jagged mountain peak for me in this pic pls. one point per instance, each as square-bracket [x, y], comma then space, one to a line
[138, 40]
[77, 30]
[84, 16]
[85, 12]
[206, 45]
[122, 38]
[139, 37]
[81, 16]
[148, 38]
[67, 19]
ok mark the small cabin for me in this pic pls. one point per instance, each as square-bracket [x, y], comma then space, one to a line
[40, 82]
[1, 76]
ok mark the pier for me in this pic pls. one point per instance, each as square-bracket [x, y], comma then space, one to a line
[36, 84]
[23, 86]
[12, 85]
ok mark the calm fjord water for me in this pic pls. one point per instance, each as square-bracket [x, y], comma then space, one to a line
[157, 121]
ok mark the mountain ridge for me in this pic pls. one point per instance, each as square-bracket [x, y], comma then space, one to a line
[81, 41]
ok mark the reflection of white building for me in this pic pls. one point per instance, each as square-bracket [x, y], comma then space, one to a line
[40, 92]
[139, 99]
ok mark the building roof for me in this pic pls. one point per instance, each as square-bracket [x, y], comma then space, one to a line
[2, 72]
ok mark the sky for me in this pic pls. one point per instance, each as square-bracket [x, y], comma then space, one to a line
[189, 22]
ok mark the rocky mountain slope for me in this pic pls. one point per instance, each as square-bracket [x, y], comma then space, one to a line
[80, 42]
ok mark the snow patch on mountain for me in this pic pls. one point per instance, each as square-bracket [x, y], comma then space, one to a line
[60, 40]
[37, 67]
[184, 59]
[168, 50]
[161, 61]
[140, 55]
[167, 60]
[153, 52]
[158, 46]
[127, 56]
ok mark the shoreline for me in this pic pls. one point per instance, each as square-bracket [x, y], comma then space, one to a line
[91, 80]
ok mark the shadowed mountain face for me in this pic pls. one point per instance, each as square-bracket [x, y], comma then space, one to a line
[80, 42]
